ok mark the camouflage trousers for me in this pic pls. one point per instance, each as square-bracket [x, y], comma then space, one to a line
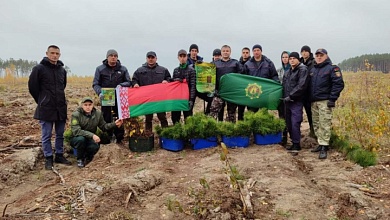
[217, 105]
[322, 121]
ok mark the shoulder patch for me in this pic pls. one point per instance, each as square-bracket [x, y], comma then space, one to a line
[74, 122]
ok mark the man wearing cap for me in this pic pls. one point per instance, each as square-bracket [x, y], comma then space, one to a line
[46, 85]
[109, 75]
[295, 82]
[245, 56]
[260, 66]
[308, 60]
[326, 85]
[193, 56]
[216, 55]
[187, 72]
[84, 123]
[148, 74]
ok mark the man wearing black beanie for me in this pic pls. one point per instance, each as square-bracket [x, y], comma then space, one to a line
[295, 82]
[308, 60]
[193, 55]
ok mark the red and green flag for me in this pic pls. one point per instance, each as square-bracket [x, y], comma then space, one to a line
[162, 97]
[250, 91]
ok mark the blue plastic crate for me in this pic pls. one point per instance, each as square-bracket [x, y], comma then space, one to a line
[199, 143]
[172, 144]
[235, 141]
[268, 138]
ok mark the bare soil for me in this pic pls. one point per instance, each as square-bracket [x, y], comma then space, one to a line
[120, 184]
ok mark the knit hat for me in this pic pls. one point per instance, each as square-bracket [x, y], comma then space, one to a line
[181, 52]
[87, 99]
[306, 48]
[111, 52]
[194, 46]
[257, 46]
[217, 52]
[294, 54]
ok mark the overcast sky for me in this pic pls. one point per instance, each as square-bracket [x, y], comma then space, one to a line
[86, 29]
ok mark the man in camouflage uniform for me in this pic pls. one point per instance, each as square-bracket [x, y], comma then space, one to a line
[326, 86]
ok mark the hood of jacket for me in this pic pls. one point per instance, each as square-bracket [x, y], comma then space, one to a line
[45, 61]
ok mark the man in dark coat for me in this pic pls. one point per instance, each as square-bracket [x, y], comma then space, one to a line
[326, 86]
[295, 82]
[245, 56]
[148, 74]
[110, 75]
[187, 72]
[308, 60]
[46, 85]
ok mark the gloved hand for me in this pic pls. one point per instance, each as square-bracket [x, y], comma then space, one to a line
[191, 104]
[288, 99]
[331, 104]
[178, 80]
[101, 96]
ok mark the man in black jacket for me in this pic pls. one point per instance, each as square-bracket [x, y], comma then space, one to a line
[308, 60]
[148, 74]
[326, 86]
[46, 85]
[109, 75]
[187, 72]
[295, 82]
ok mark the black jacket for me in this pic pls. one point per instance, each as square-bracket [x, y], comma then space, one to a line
[109, 77]
[191, 61]
[309, 62]
[266, 68]
[295, 82]
[242, 61]
[225, 67]
[189, 74]
[46, 85]
[146, 75]
[326, 81]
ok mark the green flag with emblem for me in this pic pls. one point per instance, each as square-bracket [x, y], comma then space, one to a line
[205, 77]
[250, 91]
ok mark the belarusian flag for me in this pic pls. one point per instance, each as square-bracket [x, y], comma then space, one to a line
[152, 99]
[251, 91]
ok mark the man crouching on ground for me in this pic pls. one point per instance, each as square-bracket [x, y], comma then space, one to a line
[85, 121]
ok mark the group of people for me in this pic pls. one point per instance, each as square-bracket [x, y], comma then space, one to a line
[309, 82]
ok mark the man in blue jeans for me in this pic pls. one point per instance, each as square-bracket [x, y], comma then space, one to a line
[46, 85]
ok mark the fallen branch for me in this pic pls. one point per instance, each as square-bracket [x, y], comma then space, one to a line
[386, 169]
[360, 187]
[128, 199]
[59, 174]
[82, 194]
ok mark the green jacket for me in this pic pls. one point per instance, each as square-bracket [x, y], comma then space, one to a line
[86, 125]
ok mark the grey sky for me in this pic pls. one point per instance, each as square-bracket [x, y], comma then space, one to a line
[86, 29]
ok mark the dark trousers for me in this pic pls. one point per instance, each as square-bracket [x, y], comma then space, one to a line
[294, 111]
[176, 115]
[307, 105]
[221, 112]
[108, 113]
[282, 115]
[241, 110]
[206, 98]
[162, 116]
[253, 109]
[86, 148]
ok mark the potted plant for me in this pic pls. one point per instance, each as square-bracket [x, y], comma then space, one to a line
[235, 134]
[202, 131]
[172, 138]
[139, 139]
[267, 128]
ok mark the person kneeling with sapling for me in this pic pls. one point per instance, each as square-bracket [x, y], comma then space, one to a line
[84, 123]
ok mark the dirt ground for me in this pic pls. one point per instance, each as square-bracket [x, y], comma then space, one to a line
[120, 184]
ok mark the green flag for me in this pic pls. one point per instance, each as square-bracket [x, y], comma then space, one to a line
[251, 91]
[205, 77]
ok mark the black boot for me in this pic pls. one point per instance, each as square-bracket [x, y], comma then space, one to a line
[294, 147]
[61, 159]
[49, 163]
[283, 142]
[323, 152]
[317, 149]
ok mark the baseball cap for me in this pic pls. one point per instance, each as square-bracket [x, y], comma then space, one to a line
[217, 52]
[151, 53]
[86, 99]
[321, 50]
[181, 52]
